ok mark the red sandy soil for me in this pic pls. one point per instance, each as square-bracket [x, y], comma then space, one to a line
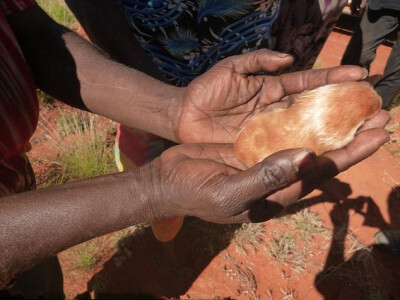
[204, 261]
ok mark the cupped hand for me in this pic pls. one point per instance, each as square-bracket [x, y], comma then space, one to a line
[218, 104]
[369, 138]
[209, 182]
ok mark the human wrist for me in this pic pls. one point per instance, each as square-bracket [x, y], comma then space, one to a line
[153, 106]
[123, 94]
[169, 116]
[147, 193]
[173, 112]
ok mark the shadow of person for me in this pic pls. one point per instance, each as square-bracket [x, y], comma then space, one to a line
[140, 270]
[353, 270]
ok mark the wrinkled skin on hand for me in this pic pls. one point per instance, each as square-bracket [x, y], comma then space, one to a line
[218, 104]
[208, 181]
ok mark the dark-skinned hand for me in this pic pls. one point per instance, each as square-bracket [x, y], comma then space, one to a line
[208, 181]
[218, 104]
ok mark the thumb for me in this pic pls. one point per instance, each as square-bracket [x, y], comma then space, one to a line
[272, 174]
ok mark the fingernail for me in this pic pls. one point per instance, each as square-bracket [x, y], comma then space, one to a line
[365, 73]
[304, 161]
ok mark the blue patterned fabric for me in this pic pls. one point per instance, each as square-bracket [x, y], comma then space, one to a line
[185, 38]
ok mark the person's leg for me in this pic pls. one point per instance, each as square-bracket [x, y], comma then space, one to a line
[352, 53]
[374, 27]
[388, 85]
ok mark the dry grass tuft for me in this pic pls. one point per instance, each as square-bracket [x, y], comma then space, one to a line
[282, 247]
[247, 284]
[288, 294]
[291, 246]
[248, 236]
[308, 223]
[81, 142]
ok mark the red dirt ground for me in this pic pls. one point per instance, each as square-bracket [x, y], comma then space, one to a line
[340, 263]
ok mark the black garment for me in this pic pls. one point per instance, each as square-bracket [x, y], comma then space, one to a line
[384, 4]
[374, 28]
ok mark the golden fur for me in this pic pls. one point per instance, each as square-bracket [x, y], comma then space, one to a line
[323, 119]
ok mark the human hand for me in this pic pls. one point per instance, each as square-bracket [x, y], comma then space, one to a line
[208, 181]
[217, 105]
[367, 141]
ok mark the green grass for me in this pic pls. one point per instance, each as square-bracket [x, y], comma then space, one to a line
[88, 255]
[44, 99]
[87, 160]
[318, 64]
[86, 152]
[58, 10]
[81, 142]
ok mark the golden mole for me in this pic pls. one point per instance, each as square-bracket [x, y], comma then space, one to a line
[323, 119]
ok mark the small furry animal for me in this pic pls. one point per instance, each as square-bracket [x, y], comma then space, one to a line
[323, 119]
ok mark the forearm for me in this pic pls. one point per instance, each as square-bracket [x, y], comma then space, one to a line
[113, 36]
[36, 225]
[124, 94]
[73, 71]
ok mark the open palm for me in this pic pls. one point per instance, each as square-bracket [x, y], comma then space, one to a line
[217, 104]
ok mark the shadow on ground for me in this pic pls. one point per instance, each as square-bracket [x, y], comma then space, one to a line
[353, 270]
[145, 268]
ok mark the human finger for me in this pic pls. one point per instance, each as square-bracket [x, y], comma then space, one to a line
[263, 60]
[298, 82]
[380, 120]
[290, 85]
[364, 145]
[330, 164]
